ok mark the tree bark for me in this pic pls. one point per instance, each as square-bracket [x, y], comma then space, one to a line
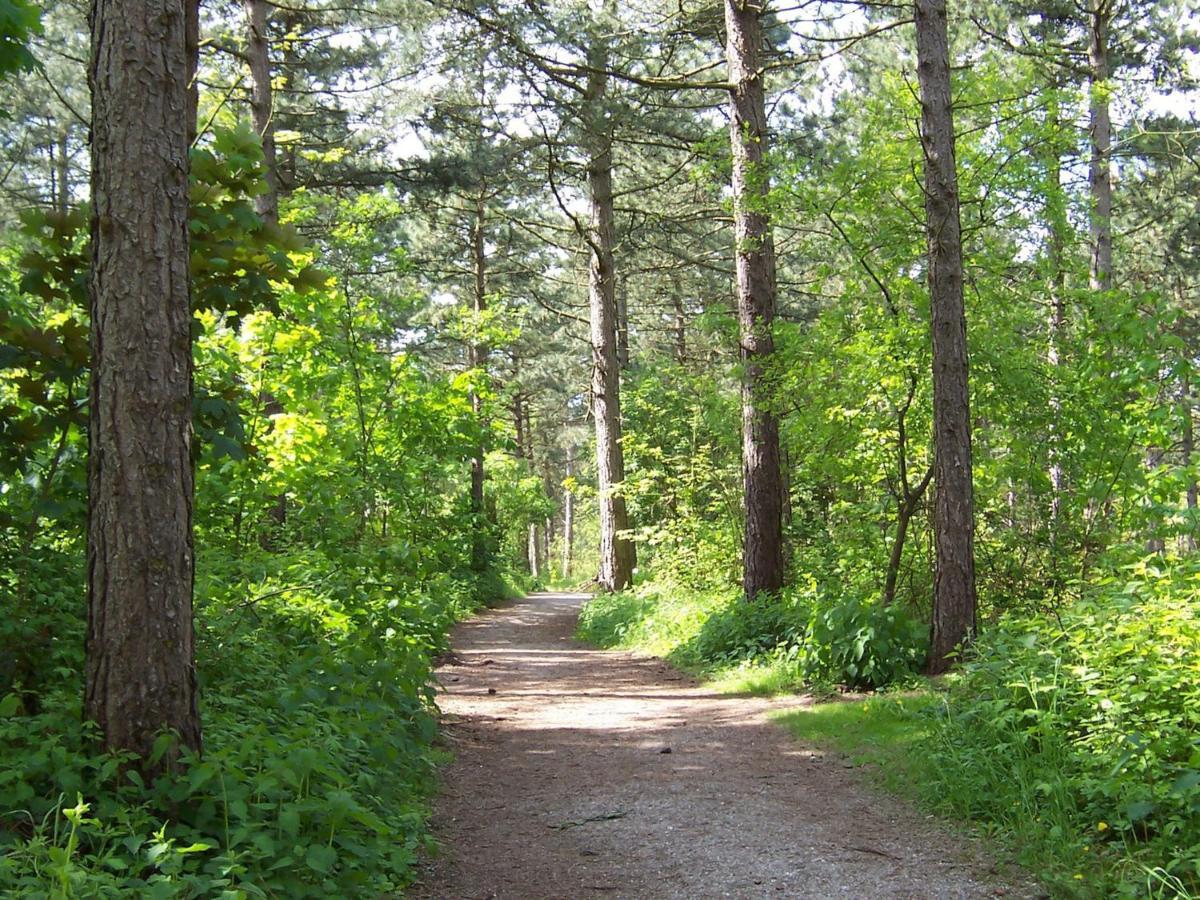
[62, 163]
[617, 554]
[680, 326]
[762, 554]
[954, 601]
[262, 102]
[518, 410]
[623, 324]
[568, 518]
[140, 669]
[477, 358]
[1100, 126]
[1188, 448]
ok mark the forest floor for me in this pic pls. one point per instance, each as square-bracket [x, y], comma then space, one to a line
[587, 773]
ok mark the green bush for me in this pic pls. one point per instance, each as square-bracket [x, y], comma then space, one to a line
[318, 755]
[801, 632]
[1081, 732]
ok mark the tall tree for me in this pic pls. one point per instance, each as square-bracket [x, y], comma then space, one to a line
[617, 554]
[140, 644]
[954, 599]
[762, 556]
[1099, 14]
[262, 101]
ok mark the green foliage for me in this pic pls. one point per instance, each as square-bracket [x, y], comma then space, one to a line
[333, 556]
[1076, 734]
[802, 637]
[318, 756]
[18, 21]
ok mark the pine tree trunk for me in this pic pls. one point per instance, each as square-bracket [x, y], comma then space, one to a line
[140, 670]
[62, 162]
[1188, 446]
[518, 410]
[477, 358]
[1100, 125]
[954, 601]
[755, 253]
[623, 323]
[258, 55]
[568, 518]
[617, 555]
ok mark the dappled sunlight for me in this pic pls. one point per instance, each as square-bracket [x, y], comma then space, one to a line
[606, 768]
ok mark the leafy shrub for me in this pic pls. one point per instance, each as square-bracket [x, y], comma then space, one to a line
[803, 632]
[1081, 731]
[864, 644]
[318, 750]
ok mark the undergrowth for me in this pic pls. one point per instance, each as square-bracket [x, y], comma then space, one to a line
[1071, 736]
[800, 637]
[318, 758]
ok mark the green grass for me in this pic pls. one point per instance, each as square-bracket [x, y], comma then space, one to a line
[883, 733]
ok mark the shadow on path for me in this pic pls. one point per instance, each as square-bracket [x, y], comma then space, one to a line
[586, 773]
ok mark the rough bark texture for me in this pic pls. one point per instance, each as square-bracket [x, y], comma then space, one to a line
[954, 601]
[762, 554]
[140, 667]
[262, 102]
[1100, 124]
[617, 555]
[477, 357]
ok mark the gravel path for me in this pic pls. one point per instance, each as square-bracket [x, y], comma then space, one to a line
[584, 773]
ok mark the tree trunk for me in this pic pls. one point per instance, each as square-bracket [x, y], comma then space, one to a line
[617, 555]
[680, 319]
[1188, 443]
[518, 410]
[477, 358]
[258, 55]
[62, 164]
[762, 554]
[954, 600]
[191, 29]
[623, 323]
[568, 518]
[1155, 542]
[1100, 125]
[140, 669]
[535, 568]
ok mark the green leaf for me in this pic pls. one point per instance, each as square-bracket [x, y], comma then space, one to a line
[320, 858]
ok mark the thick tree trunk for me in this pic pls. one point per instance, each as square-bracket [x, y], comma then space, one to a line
[954, 601]
[1100, 125]
[262, 102]
[762, 555]
[477, 357]
[140, 666]
[617, 555]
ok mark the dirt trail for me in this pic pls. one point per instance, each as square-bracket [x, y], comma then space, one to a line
[583, 773]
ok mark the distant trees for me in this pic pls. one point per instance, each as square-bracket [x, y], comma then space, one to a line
[141, 676]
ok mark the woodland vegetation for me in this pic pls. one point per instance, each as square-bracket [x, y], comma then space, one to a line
[837, 343]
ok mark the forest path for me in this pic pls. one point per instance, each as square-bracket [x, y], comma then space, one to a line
[586, 773]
